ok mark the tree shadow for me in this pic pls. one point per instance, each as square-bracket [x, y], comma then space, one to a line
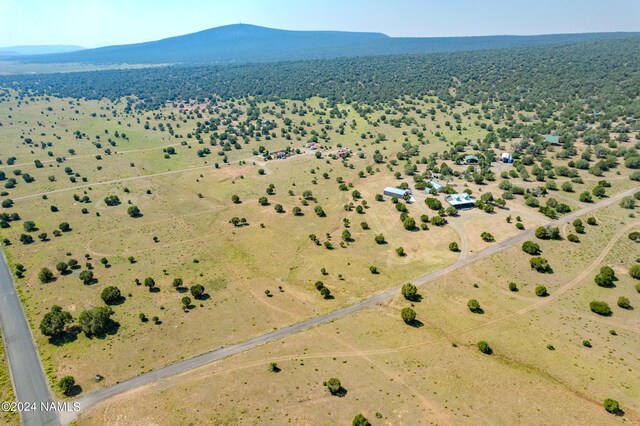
[342, 392]
[416, 323]
[182, 289]
[154, 289]
[417, 298]
[74, 391]
[111, 328]
[119, 301]
[204, 296]
[479, 311]
[68, 336]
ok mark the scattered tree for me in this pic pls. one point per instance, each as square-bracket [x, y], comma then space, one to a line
[408, 315]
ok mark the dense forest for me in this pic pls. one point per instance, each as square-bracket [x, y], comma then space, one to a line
[602, 74]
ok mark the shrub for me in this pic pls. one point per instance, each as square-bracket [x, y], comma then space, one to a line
[592, 221]
[409, 223]
[487, 237]
[66, 385]
[611, 405]
[531, 248]
[541, 291]
[400, 251]
[453, 246]
[634, 271]
[86, 277]
[540, 264]
[197, 291]
[409, 291]
[573, 238]
[484, 347]
[548, 233]
[360, 420]
[325, 292]
[408, 315]
[133, 211]
[585, 197]
[473, 305]
[606, 277]
[600, 307]
[380, 239]
[633, 236]
[433, 203]
[333, 385]
[273, 367]
[513, 286]
[628, 203]
[95, 321]
[45, 275]
[54, 322]
[437, 220]
[111, 295]
[586, 343]
[624, 303]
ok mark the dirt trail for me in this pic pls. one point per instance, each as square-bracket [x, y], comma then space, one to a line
[546, 300]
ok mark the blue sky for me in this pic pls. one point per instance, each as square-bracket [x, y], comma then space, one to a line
[93, 23]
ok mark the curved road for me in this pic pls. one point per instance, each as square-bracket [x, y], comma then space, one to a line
[31, 384]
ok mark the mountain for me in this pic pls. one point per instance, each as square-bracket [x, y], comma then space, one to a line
[242, 43]
[37, 50]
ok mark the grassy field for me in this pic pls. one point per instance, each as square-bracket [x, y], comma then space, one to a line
[6, 388]
[186, 205]
[13, 68]
[433, 374]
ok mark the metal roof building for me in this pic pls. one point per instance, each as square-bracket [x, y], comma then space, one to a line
[435, 185]
[461, 201]
[471, 159]
[552, 139]
[406, 194]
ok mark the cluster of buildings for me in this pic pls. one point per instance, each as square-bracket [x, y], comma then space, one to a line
[344, 152]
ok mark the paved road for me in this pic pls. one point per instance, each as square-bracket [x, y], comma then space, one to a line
[28, 378]
[96, 397]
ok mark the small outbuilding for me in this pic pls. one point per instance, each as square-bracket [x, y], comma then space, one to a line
[553, 140]
[404, 194]
[507, 158]
[471, 159]
[435, 185]
[461, 201]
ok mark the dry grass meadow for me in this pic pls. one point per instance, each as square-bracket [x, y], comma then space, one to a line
[430, 374]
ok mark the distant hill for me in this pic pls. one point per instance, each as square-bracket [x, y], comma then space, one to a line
[244, 43]
[37, 50]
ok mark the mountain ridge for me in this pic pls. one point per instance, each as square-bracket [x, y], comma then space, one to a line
[245, 43]
[39, 49]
